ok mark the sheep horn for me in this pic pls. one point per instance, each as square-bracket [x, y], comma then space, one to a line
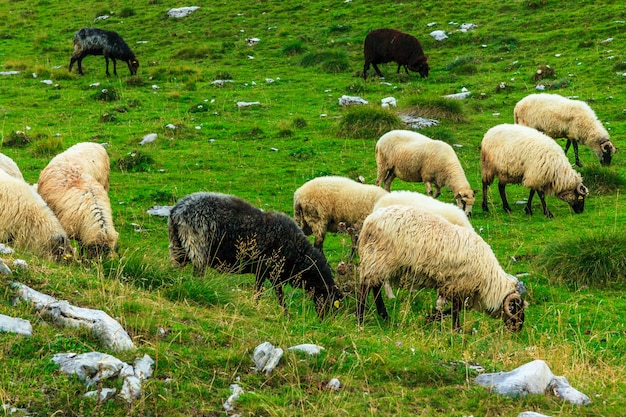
[582, 190]
[507, 303]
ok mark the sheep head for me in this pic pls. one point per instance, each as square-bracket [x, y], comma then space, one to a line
[575, 198]
[133, 65]
[420, 66]
[605, 153]
[465, 200]
[327, 300]
[513, 311]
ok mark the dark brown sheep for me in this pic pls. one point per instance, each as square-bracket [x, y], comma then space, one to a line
[387, 45]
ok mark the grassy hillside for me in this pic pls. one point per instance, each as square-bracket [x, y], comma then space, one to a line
[202, 331]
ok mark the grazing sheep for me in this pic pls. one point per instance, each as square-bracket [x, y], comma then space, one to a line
[93, 41]
[91, 157]
[82, 206]
[450, 212]
[518, 154]
[560, 117]
[404, 242]
[411, 156]
[386, 45]
[227, 233]
[10, 167]
[27, 222]
[321, 204]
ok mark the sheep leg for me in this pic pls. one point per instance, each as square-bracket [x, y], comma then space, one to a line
[114, 65]
[485, 188]
[380, 303]
[505, 201]
[457, 305]
[542, 197]
[360, 302]
[380, 74]
[106, 59]
[389, 179]
[575, 146]
[528, 209]
[366, 67]
[319, 240]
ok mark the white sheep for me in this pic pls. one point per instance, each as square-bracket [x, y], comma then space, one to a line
[560, 117]
[82, 205]
[450, 212]
[91, 157]
[10, 167]
[27, 222]
[410, 244]
[411, 156]
[518, 154]
[321, 204]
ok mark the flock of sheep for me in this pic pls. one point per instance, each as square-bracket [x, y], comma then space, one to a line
[406, 236]
[403, 235]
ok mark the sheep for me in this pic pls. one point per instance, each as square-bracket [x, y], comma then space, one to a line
[321, 204]
[518, 154]
[91, 157]
[450, 212]
[26, 221]
[10, 167]
[229, 234]
[82, 206]
[386, 45]
[405, 242]
[558, 117]
[411, 156]
[93, 41]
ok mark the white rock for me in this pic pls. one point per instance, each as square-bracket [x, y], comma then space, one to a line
[182, 11]
[532, 378]
[109, 331]
[149, 138]
[418, 122]
[105, 394]
[91, 367]
[162, 211]
[47, 82]
[439, 35]
[468, 26]
[252, 41]
[102, 17]
[5, 250]
[458, 96]
[390, 101]
[266, 357]
[531, 414]
[15, 325]
[143, 367]
[309, 348]
[9, 72]
[220, 83]
[171, 126]
[235, 391]
[334, 385]
[248, 103]
[20, 264]
[4, 269]
[350, 100]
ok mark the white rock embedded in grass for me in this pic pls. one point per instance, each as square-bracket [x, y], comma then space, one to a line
[5, 250]
[235, 392]
[181, 11]
[439, 35]
[149, 138]
[109, 331]
[334, 385]
[105, 394]
[15, 325]
[266, 357]
[351, 100]
[248, 103]
[4, 269]
[20, 264]
[90, 367]
[309, 348]
[532, 378]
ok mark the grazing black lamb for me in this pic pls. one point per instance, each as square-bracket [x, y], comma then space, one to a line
[93, 41]
[386, 45]
[227, 233]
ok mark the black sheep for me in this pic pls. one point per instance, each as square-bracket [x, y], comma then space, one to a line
[92, 41]
[387, 45]
[227, 233]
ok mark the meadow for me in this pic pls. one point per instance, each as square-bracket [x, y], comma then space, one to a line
[202, 331]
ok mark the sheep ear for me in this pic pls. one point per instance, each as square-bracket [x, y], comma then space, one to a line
[458, 196]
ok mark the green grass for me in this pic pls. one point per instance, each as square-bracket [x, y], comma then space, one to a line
[202, 331]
